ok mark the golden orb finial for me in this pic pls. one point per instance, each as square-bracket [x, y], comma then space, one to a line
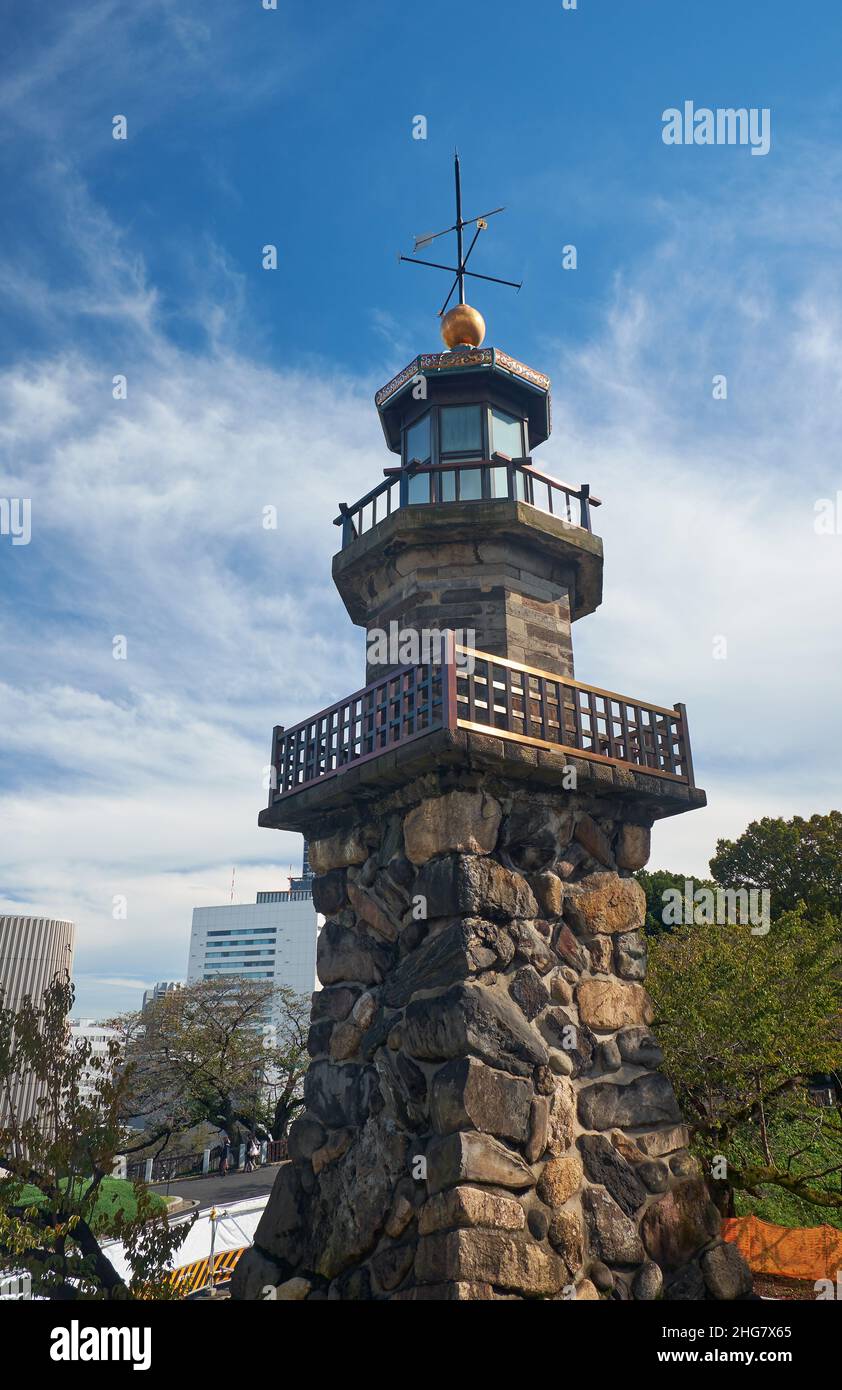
[463, 326]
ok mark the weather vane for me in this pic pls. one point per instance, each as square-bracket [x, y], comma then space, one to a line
[462, 326]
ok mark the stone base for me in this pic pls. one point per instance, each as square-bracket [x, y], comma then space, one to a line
[484, 1114]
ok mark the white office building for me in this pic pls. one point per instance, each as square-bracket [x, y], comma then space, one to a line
[100, 1038]
[271, 939]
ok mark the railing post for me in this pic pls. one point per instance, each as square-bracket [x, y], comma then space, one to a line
[686, 755]
[277, 735]
[403, 485]
[241, 1157]
[448, 682]
[585, 505]
[147, 1175]
[206, 1161]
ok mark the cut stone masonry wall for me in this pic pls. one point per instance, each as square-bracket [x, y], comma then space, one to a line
[485, 1117]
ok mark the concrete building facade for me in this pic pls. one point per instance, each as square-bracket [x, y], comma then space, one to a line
[273, 939]
[33, 951]
[100, 1037]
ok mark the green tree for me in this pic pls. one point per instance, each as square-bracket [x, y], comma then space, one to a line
[228, 1051]
[797, 860]
[745, 1021]
[60, 1132]
[655, 884]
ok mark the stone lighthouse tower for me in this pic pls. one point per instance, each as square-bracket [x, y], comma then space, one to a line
[484, 1115]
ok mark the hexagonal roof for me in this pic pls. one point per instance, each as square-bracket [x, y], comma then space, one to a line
[530, 387]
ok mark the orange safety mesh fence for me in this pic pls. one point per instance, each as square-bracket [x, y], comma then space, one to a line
[791, 1252]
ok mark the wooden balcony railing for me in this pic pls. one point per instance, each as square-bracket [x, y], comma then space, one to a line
[488, 694]
[482, 480]
[395, 709]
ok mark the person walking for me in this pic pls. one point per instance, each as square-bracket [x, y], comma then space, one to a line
[252, 1153]
[224, 1156]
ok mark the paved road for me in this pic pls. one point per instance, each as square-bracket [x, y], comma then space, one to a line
[211, 1191]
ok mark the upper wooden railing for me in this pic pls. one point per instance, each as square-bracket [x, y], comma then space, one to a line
[493, 479]
[488, 694]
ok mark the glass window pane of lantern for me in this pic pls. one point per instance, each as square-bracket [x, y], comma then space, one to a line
[499, 482]
[507, 434]
[418, 487]
[448, 486]
[461, 430]
[470, 484]
[418, 440]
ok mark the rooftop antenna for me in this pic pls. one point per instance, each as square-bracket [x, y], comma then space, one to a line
[233, 873]
[462, 257]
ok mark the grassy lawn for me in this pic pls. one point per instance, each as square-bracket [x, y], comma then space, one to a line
[114, 1194]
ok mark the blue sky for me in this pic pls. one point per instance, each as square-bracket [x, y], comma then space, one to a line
[249, 387]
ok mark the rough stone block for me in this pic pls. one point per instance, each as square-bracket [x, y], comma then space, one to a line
[562, 1125]
[575, 1040]
[549, 892]
[338, 851]
[373, 913]
[391, 1266]
[638, 1046]
[673, 1228]
[279, 1228]
[470, 1206]
[633, 846]
[306, 1134]
[592, 838]
[474, 886]
[567, 1238]
[466, 822]
[649, 1100]
[465, 1094]
[461, 949]
[472, 1019]
[293, 1290]
[528, 992]
[534, 835]
[607, 1004]
[602, 955]
[560, 1179]
[664, 1141]
[345, 955]
[539, 1129]
[253, 1272]
[337, 1094]
[492, 1257]
[606, 903]
[613, 1236]
[329, 895]
[630, 955]
[648, 1283]
[726, 1273]
[606, 1167]
[472, 1157]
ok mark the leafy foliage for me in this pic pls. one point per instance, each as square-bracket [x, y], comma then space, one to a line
[655, 885]
[228, 1051]
[798, 860]
[60, 1131]
[745, 1021]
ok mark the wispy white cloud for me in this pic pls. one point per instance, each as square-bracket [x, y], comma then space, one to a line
[143, 777]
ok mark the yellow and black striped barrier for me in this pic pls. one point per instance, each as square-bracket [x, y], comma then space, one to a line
[190, 1278]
